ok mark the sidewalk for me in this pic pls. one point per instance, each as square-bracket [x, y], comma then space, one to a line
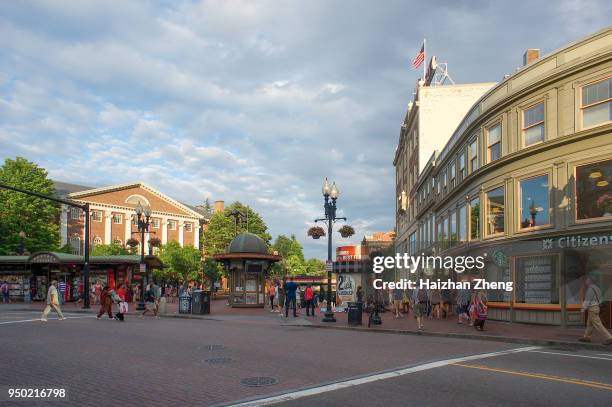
[541, 335]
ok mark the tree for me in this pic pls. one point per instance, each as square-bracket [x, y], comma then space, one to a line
[212, 270]
[181, 263]
[222, 228]
[112, 249]
[20, 212]
[295, 266]
[287, 248]
[315, 267]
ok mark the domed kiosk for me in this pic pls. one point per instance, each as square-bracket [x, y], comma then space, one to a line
[247, 262]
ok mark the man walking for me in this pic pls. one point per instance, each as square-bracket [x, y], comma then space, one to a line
[592, 299]
[309, 297]
[5, 292]
[419, 298]
[52, 302]
[62, 291]
[290, 289]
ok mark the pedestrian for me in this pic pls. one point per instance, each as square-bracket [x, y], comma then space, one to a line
[5, 292]
[472, 309]
[271, 295]
[463, 302]
[591, 304]
[52, 302]
[435, 298]
[136, 293]
[405, 302]
[123, 305]
[106, 303]
[419, 299]
[290, 288]
[309, 297]
[397, 302]
[446, 302]
[481, 311]
[150, 301]
[359, 294]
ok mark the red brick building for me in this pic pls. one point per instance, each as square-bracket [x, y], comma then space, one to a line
[113, 217]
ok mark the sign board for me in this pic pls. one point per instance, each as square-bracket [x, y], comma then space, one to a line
[329, 266]
[143, 268]
[346, 288]
[348, 253]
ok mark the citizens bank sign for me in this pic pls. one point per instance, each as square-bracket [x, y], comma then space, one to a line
[566, 242]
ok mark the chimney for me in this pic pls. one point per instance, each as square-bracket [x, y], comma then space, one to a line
[219, 206]
[531, 55]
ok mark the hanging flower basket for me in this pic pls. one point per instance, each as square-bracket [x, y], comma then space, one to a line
[316, 232]
[131, 242]
[346, 231]
[155, 242]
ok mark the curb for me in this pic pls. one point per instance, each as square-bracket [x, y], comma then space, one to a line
[526, 341]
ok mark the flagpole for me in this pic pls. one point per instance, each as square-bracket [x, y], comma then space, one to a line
[424, 59]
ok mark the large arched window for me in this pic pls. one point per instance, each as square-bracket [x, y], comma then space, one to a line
[75, 245]
[135, 199]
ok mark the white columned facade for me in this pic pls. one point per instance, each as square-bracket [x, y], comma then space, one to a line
[181, 231]
[196, 236]
[164, 229]
[108, 218]
[128, 226]
[64, 224]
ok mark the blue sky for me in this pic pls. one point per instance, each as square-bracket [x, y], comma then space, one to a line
[249, 100]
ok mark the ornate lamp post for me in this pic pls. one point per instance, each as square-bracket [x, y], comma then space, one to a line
[144, 221]
[329, 219]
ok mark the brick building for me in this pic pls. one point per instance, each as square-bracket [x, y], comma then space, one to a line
[113, 218]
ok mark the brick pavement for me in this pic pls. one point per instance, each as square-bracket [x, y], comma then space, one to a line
[165, 361]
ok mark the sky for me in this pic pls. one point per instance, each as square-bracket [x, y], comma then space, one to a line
[256, 101]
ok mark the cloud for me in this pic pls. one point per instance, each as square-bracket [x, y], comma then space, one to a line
[248, 100]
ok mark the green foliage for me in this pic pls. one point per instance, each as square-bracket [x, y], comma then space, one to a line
[222, 228]
[315, 267]
[295, 266]
[182, 263]
[212, 270]
[112, 249]
[20, 212]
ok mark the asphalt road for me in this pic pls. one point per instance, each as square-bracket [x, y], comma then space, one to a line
[173, 361]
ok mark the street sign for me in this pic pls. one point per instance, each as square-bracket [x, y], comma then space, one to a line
[329, 266]
[143, 268]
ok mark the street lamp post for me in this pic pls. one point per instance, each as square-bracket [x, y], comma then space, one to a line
[144, 221]
[330, 219]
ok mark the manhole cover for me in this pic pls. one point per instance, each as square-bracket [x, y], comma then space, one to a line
[215, 347]
[259, 381]
[219, 361]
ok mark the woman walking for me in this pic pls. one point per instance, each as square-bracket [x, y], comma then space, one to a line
[106, 303]
[481, 311]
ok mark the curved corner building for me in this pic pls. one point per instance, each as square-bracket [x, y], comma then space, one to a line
[525, 179]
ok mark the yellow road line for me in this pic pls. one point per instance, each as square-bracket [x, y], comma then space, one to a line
[588, 383]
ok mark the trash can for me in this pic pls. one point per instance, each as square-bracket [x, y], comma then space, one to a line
[200, 303]
[355, 312]
[184, 304]
[206, 296]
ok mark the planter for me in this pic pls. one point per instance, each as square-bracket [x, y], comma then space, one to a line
[316, 232]
[346, 231]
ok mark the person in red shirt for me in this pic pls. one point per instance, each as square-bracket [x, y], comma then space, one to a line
[309, 297]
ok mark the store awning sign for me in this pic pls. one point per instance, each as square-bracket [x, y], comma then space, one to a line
[575, 242]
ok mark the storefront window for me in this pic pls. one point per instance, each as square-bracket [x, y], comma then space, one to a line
[534, 202]
[594, 190]
[475, 219]
[495, 211]
[536, 280]
[495, 272]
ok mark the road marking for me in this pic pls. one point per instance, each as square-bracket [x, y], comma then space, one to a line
[588, 383]
[38, 319]
[375, 377]
[568, 354]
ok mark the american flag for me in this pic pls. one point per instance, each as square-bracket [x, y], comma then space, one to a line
[418, 60]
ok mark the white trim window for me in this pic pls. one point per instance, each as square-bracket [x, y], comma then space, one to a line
[452, 175]
[461, 166]
[473, 155]
[96, 216]
[75, 245]
[75, 213]
[118, 241]
[117, 218]
[172, 224]
[596, 103]
[533, 125]
[494, 142]
[155, 223]
[97, 241]
[188, 227]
